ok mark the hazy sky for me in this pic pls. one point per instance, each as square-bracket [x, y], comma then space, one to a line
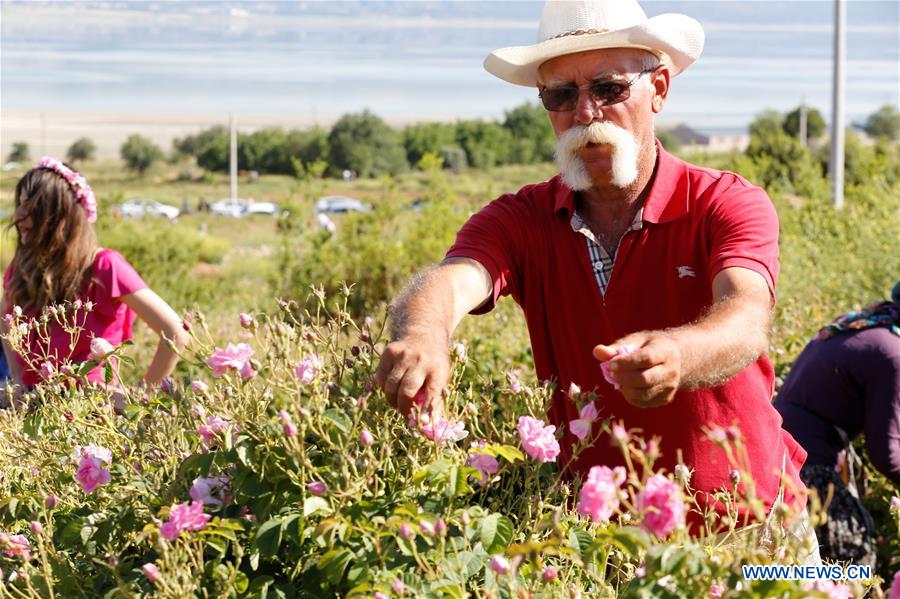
[409, 60]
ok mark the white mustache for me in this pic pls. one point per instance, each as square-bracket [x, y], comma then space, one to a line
[624, 156]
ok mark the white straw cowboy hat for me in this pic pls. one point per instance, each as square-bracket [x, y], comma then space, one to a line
[570, 26]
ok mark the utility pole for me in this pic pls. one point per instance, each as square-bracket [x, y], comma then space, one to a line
[836, 164]
[803, 121]
[232, 163]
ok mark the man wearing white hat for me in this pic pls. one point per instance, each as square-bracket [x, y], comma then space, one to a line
[660, 270]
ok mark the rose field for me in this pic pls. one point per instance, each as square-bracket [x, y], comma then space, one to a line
[268, 465]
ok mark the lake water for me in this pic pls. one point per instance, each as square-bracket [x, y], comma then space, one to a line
[410, 60]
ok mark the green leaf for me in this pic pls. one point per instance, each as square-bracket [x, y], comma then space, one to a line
[107, 373]
[268, 537]
[631, 539]
[496, 533]
[507, 452]
[333, 564]
[315, 504]
[338, 419]
[259, 588]
[241, 582]
[580, 541]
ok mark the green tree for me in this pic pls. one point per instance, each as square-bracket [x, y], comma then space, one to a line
[815, 124]
[19, 152]
[669, 141]
[309, 145]
[884, 122]
[533, 137]
[364, 143]
[767, 122]
[194, 145]
[82, 149]
[139, 153]
[486, 144]
[427, 138]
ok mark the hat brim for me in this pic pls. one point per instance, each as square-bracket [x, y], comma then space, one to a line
[676, 39]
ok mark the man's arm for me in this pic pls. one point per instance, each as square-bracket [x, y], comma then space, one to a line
[423, 318]
[731, 335]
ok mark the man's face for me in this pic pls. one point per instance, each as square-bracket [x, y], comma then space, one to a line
[634, 115]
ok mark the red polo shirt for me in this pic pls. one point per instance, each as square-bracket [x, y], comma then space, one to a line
[696, 222]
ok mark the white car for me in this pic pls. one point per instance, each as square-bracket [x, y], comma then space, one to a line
[336, 204]
[233, 207]
[237, 208]
[138, 208]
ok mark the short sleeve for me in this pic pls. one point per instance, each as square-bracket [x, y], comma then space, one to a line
[743, 231]
[492, 237]
[116, 275]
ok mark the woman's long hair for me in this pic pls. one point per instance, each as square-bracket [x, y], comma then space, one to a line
[54, 260]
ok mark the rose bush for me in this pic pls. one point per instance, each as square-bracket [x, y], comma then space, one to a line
[288, 475]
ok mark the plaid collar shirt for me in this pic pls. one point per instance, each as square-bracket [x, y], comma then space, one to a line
[601, 261]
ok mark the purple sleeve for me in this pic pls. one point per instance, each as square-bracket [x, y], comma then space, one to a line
[116, 274]
[882, 397]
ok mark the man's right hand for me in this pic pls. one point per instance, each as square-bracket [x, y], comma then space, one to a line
[410, 365]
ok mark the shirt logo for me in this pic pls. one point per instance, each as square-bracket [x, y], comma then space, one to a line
[685, 271]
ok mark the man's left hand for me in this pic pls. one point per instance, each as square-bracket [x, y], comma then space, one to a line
[650, 375]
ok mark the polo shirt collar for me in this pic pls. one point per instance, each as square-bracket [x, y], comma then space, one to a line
[669, 191]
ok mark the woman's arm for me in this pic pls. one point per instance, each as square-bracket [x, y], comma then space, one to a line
[160, 317]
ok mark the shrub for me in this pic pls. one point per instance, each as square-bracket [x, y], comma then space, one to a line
[280, 472]
[19, 153]
[884, 123]
[139, 153]
[365, 144]
[82, 149]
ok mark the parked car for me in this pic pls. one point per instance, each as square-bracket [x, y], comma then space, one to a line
[238, 208]
[138, 208]
[233, 207]
[335, 204]
[267, 208]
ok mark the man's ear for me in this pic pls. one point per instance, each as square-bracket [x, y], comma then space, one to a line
[660, 83]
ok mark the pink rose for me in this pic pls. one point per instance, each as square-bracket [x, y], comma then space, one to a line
[582, 426]
[486, 465]
[715, 591]
[549, 574]
[366, 438]
[604, 367]
[15, 546]
[209, 491]
[47, 370]
[246, 320]
[894, 593]
[199, 387]
[661, 506]
[100, 348]
[398, 586]
[601, 492]
[406, 531]
[210, 431]
[308, 368]
[317, 488]
[289, 428]
[426, 528]
[538, 439]
[235, 357]
[182, 517]
[91, 473]
[500, 564]
[442, 430]
[151, 572]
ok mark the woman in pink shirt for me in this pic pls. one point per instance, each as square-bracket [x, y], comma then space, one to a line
[89, 295]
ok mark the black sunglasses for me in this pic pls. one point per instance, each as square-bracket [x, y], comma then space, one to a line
[605, 92]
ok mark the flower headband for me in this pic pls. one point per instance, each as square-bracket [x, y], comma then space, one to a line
[84, 195]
